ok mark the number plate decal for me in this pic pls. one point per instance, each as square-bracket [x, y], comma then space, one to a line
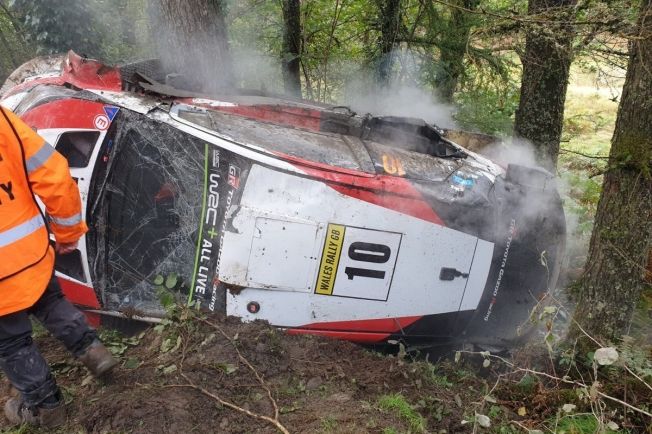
[357, 262]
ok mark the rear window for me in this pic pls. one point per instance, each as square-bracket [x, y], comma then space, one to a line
[77, 147]
[320, 147]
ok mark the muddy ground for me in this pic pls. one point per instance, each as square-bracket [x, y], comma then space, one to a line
[172, 378]
[317, 385]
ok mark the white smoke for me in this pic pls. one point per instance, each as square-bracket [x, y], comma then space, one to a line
[403, 95]
[512, 150]
[399, 100]
[254, 69]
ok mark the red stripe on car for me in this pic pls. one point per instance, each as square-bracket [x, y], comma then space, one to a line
[65, 113]
[391, 192]
[79, 294]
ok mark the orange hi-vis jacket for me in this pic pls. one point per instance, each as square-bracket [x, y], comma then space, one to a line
[30, 166]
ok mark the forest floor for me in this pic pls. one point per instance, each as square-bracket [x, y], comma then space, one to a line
[196, 375]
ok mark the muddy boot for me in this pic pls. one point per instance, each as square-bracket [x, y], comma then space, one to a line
[46, 415]
[98, 359]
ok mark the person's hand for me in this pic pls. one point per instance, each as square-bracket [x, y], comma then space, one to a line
[65, 248]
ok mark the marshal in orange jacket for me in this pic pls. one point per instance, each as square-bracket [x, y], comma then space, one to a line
[30, 166]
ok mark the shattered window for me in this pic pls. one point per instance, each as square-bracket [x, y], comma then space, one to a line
[148, 211]
[321, 147]
[70, 264]
[77, 146]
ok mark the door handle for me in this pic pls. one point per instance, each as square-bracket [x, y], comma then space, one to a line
[451, 273]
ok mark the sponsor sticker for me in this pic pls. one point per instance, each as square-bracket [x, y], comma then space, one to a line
[501, 272]
[208, 236]
[224, 174]
[110, 112]
[234, 176]
[330, 259]
[393, 165]
[101, 122]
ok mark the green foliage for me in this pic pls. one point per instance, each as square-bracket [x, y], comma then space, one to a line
[328, 424]
[431, 375]
[256, 32]
[341, 49]
[398, 405]
[434, 407]
[582, 200]
[56, 26]
[488, 97]
[15, 50]
[113, 31]
[636, 357]
[23, 429]
[580, 424]
[487, 110]
[166, 288]
[117, 343]
[336, 45]
[585, 123]
[527, 384]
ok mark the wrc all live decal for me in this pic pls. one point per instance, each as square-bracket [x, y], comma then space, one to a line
[357, 262]
[224, 175]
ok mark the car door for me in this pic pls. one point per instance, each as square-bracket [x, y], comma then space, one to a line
[76, 128]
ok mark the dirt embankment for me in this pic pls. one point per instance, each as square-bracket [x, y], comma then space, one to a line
[222, 376]
[171, 380]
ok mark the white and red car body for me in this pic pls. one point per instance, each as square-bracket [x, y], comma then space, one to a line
[307, 216]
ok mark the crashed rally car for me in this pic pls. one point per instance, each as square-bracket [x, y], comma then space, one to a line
[308, 216]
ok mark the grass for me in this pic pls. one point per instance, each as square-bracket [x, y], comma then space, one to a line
[589, 121]
[590, 112]
[328, 424]
[580, 424]
[398, 405]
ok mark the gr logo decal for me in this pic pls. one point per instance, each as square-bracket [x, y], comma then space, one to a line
[357, 262]
[234, 176]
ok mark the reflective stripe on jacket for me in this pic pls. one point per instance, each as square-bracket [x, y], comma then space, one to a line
[29, 166]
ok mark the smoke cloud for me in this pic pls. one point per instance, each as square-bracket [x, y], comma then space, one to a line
[402, 96]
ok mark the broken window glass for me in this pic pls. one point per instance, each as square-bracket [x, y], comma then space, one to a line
[315, 146]
[77, 147]
[147, 196]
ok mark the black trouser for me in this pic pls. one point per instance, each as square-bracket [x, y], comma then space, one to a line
[21, 361]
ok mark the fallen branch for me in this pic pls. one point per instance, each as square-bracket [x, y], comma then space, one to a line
[230, 405]
[249, 365]
[272, 420]
[569, 151]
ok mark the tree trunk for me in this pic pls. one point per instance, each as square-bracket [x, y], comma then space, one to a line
[546, 66]
[389, 17]
[193, 41]
[614, 277]
[453, 49]
[291, 56]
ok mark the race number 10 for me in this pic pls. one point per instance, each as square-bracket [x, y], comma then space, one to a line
[357, 262]
[368, 252]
